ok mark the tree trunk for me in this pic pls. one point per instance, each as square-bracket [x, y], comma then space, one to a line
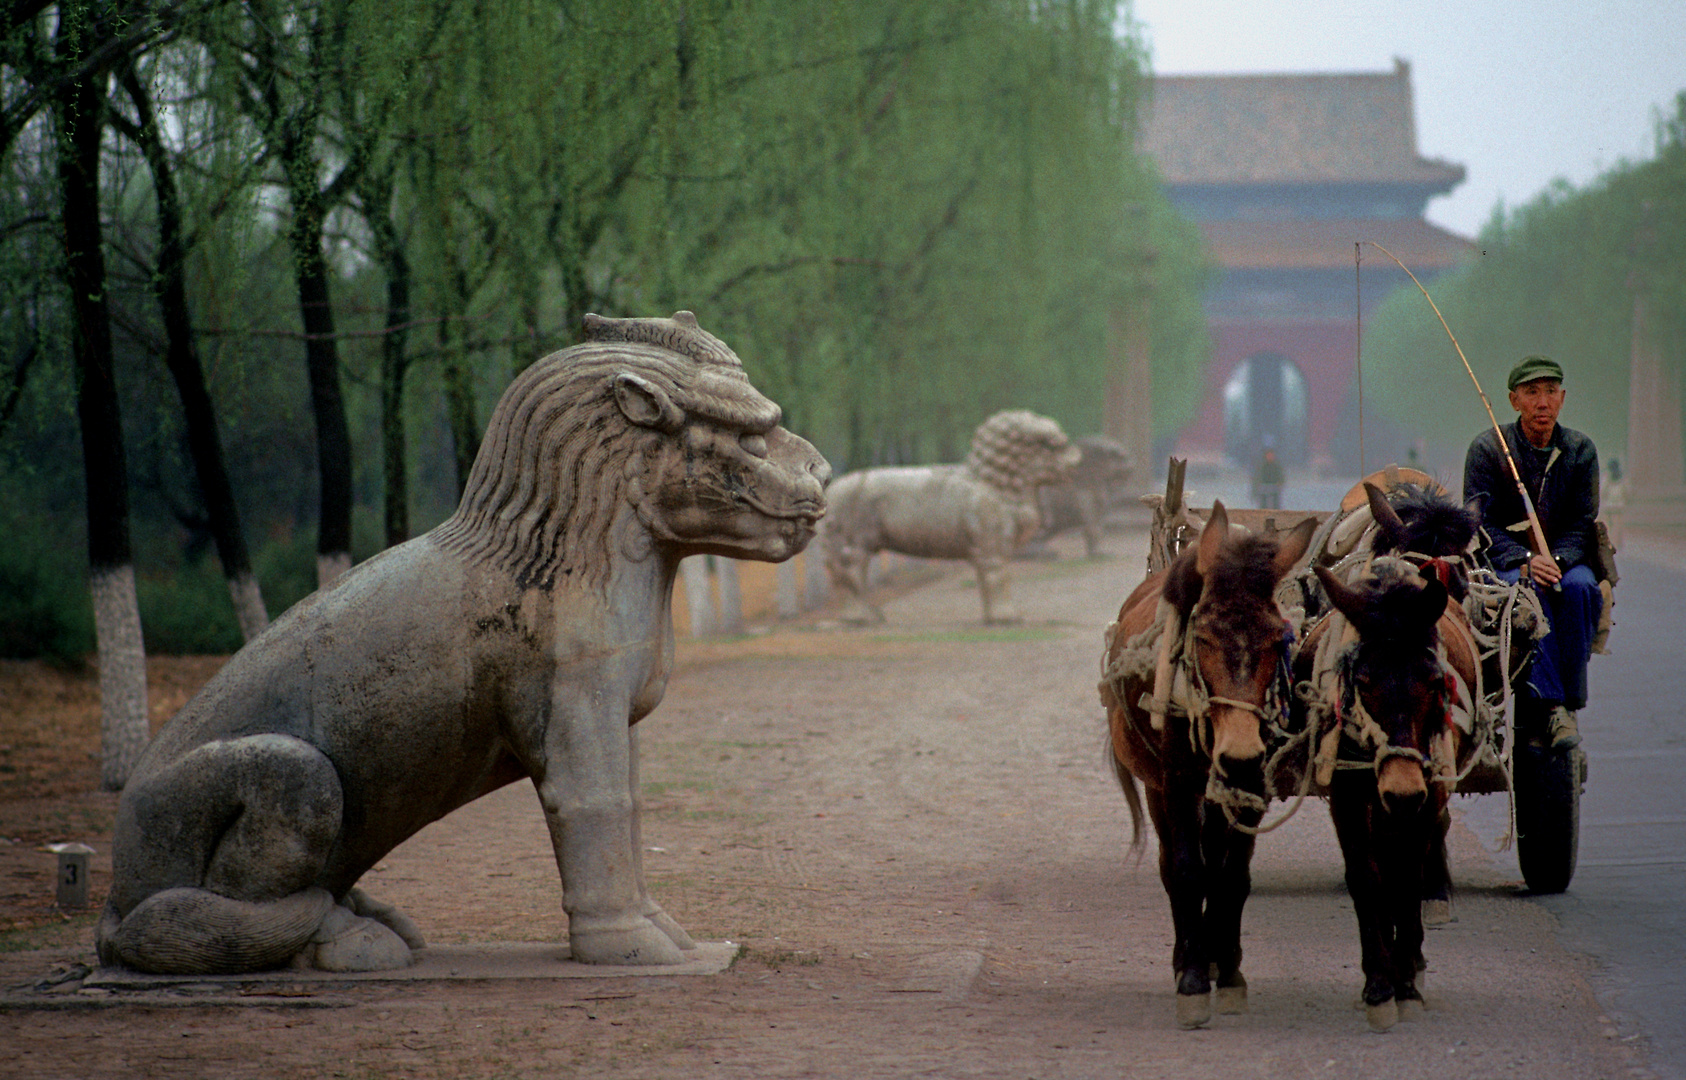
[122, 658]
[169, 285]
[699, 602]
[731, 596]
[377, 209]
[459, 394]
[322, 360]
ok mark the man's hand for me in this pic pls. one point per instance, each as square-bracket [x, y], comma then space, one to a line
[1543, 569]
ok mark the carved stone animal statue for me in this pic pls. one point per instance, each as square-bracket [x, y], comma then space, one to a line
[1397, 693]
[1195, 681]
[1096, 486]
[523, 637]
[981, 511]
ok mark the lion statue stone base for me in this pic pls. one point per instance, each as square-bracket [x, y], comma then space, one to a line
[981, 511]
[524, 637]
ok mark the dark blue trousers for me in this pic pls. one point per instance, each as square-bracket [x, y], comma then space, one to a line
[1560, 658]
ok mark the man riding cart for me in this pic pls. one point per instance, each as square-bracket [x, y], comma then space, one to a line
[1558, 468]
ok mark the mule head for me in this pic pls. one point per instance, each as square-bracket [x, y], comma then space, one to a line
[1239, 638]
[1397, 675]
[1417, 521]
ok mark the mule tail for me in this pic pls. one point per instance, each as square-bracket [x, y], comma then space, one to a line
[1132, 797]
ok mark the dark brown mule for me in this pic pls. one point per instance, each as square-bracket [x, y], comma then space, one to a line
[1201, 758]
[1428, 528]
[1400, 751]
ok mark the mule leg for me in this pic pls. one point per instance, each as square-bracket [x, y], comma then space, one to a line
[215, 860]
[1353, 808]
[1228, 855]
[1176, 817]
[1420, 844]
[1437, 876]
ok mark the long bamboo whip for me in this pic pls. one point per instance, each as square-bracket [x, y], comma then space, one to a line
[1534, 526]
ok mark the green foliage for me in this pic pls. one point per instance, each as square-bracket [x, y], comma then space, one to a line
[44, 608]
[903, 214]
[1558, 276]
[188, 612]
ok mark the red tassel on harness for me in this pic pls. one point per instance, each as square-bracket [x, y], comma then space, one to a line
[1441, 569]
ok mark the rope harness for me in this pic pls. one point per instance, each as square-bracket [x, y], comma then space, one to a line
[1165, 652]
[1162, 657]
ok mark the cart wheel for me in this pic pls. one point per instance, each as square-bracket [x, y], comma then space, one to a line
[1548, 814]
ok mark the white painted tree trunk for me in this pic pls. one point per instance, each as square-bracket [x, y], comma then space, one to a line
[817, 583]
[731, 596]
[785, 591]
[249, 608]
[330, 568]
[694, 571]
[124, 730]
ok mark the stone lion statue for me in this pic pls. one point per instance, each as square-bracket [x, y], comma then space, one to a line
[1096, 487]
[521, 638]
[980, 511]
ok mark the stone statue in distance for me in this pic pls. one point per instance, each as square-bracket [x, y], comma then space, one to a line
[982, 510]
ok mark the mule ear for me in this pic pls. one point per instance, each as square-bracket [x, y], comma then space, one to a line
[1212, 538]
[1429, 604]
[1387, 518]
[644, 403]
[1291, 548]
[1349, 602]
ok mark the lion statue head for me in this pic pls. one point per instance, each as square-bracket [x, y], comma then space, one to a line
[651, 421]
[1017, 451]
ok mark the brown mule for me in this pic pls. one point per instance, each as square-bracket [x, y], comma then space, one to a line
[1191, 726]
[1400, 753]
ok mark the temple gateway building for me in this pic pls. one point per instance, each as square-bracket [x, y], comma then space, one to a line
[1284, 174]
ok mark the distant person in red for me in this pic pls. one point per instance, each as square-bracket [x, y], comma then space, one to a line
[1559, 466]
[1267, 482]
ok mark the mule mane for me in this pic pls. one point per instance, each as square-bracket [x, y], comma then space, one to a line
[1435, 524]
[1389, 594]
[1242, 582]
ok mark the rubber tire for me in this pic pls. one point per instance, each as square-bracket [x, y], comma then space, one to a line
[1548, 815]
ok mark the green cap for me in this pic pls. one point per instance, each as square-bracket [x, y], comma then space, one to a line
[1531, 368]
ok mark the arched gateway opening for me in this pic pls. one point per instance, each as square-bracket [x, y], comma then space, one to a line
[1266, 404]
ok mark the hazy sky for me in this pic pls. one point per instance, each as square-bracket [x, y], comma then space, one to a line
[1519, 93]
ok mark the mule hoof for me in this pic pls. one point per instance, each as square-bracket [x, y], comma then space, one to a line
[1193, 1011]
[1437, 913]
[1232, 1000]
[1411, 1009]
[1383, 1015]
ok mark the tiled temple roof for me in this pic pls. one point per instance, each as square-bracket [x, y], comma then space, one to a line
[1289, 129]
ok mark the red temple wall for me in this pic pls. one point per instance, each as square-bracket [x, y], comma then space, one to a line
[1323, 351]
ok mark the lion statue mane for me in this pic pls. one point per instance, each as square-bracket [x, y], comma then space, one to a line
[522, 638]
[981, 511]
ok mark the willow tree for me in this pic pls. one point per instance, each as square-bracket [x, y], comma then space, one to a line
[317, 81]
[909, 214]
[168, 278]
[79, 107]
[1558, 276]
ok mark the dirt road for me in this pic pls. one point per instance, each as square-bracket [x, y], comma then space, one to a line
[913, 833]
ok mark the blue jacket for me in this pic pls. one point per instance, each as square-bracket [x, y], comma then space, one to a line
[1563, 483]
